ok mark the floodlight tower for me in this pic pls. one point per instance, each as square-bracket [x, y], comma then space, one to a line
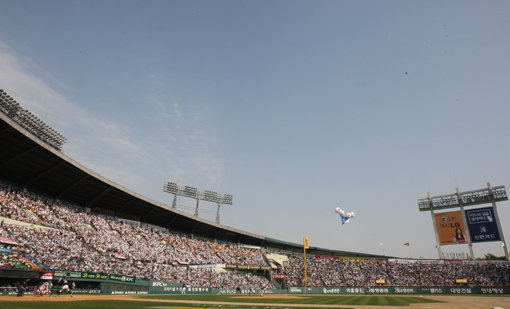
[191, 192]
[30, 122]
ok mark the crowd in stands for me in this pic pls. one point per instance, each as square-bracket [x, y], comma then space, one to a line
[333, 271]
[17, 258]
[79, 241]
[71, 238]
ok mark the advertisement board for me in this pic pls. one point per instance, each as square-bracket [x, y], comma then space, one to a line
[403, 290]
[450, 228]
[247, 267]
[121, 278]
[482, 224]
[47, 276]
[7, 240]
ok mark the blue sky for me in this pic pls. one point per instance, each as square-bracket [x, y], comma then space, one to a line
[293, 107]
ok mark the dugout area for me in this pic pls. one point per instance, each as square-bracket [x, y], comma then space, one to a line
[27, 282]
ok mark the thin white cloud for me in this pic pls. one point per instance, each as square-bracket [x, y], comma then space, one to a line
[181, 147]
[25, 87]
[84, 130]
[182, 136]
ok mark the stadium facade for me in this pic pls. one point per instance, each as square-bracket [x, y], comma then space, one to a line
[35, 165]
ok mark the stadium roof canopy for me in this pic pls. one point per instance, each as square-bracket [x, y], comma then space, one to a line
[27, 161]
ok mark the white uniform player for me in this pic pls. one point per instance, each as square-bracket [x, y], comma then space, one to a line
[44, 289]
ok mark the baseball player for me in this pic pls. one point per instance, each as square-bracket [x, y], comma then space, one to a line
[62, 285]
[44, 289]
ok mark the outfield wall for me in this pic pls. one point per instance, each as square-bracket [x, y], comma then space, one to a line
[125, 285]
[301, 290]
[401, 290]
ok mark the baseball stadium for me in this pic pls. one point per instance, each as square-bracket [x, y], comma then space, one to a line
[71, 238]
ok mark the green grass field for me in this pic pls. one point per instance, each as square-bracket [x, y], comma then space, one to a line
[375, 300]
[188, 302]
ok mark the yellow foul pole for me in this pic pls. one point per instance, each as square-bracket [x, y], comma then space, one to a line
[305, 246]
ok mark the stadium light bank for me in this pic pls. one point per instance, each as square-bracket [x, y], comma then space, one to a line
[30, 122]
[199, 195]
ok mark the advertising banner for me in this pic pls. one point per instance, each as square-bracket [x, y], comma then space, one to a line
[68, 274]
[482, 224]
[122, 278]
[7, 240]
[354, 259]
[450, 228]
[47, 276]
[162, 287]
[80, 275]
[247, 267]
[94, 276]
[402, 290]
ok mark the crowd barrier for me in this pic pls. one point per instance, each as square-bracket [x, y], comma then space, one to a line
[400, 290]
[301, 290]
[125, 285]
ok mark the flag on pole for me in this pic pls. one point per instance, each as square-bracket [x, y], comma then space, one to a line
[407, 244]
[305, 243]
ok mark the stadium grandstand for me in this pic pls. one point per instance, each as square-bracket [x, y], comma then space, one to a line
[58, 218]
